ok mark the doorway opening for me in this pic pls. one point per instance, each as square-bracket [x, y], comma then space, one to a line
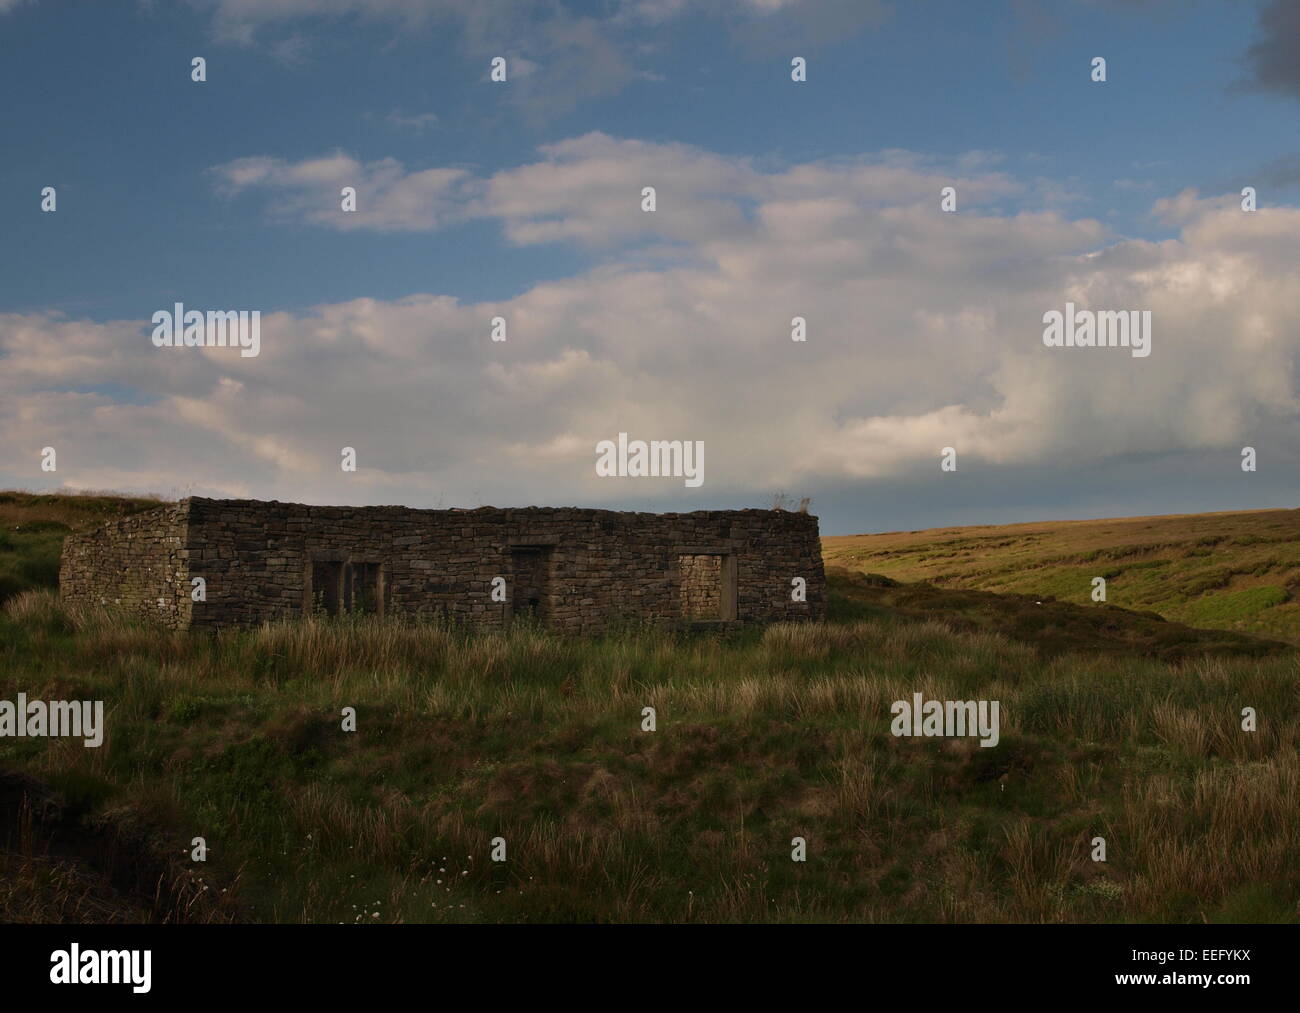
[530, 585]
[708, 586]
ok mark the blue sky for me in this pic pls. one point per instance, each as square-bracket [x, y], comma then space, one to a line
[901, 97]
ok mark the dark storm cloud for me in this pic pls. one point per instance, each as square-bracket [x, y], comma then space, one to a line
[1274, 60]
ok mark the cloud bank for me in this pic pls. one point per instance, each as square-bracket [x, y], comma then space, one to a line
[924, 332]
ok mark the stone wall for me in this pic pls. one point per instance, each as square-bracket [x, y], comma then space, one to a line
[137, 563]
[574, 570]
[701, 584]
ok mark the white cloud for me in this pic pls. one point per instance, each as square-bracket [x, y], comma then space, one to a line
[388, 197]
[588, 190]
[924, 332]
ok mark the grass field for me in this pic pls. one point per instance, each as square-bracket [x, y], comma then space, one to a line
[32, 527]
[1114, 724]
[1230, 571]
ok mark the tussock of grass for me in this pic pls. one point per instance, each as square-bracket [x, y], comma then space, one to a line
[534, 738]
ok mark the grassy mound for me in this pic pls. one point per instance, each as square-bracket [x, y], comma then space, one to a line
[1052, 627]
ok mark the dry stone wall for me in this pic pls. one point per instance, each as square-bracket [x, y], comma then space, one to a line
[137, 564]
[701, 583]
[573, 570]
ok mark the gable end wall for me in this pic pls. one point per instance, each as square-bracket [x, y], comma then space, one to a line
[138, 564]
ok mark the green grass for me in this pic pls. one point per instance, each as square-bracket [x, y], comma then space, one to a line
[762, 737]
[1051, 626]
[1230, 571]
[32, 528]
[29, 556]
[1229, 608]
[1116, 722]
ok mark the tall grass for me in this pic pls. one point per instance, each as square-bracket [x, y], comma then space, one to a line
[466, 737]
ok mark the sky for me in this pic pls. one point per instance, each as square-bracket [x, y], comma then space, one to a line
[775, 199]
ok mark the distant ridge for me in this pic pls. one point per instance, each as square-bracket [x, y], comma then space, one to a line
[1231, 570]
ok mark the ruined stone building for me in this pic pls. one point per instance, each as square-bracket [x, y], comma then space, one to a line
[575, 570]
